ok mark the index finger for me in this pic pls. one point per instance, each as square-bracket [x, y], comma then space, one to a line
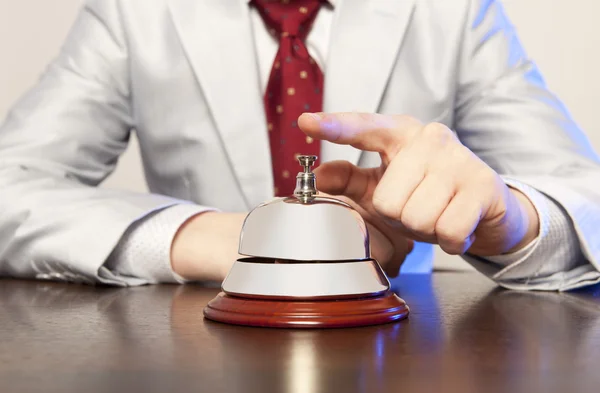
[365, 131]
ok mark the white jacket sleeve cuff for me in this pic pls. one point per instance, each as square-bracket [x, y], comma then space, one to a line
[143, 256]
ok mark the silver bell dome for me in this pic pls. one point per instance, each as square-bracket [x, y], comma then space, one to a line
[305, 227]
[305, 247]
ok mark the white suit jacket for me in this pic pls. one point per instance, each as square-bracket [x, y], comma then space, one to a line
[183, 74]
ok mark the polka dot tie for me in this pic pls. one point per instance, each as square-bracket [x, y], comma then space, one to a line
[295, 86]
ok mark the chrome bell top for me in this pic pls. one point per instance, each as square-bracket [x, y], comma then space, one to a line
[305, 227]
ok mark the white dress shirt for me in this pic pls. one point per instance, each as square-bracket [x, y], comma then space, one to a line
[144, 251]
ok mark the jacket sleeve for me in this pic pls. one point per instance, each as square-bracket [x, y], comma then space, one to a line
[507, 116]
[59, 142]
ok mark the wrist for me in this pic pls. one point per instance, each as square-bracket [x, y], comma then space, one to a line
[205, 246]
[529, 220]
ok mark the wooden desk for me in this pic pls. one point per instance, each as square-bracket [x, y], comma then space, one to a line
[463, 335]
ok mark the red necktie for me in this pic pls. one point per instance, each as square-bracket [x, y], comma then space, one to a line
[295, 86]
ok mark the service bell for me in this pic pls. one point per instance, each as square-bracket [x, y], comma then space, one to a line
[308, 264]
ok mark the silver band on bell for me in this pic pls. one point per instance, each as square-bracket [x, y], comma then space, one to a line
[306, 280]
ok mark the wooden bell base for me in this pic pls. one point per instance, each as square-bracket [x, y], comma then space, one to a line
[307, 314]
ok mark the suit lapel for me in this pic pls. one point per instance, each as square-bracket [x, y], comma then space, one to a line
[365, 41]
[218, 41]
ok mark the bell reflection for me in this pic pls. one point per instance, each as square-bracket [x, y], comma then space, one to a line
[299, 361]
[303, 372]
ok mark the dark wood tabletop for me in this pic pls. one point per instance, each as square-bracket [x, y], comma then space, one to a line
[463, 335]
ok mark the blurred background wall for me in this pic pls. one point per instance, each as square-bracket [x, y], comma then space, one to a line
[562, 36]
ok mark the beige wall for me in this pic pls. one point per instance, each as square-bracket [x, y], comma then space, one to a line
[561, 35]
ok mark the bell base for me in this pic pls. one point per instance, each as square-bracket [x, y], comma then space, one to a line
[304, 314]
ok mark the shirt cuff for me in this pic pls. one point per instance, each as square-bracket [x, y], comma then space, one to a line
[144, 251]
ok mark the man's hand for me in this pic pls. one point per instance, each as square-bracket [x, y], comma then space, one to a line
[429, 187]
[206, 246]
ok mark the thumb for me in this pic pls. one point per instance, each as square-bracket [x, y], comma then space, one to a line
[344, 178]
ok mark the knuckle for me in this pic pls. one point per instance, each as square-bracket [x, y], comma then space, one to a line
[415, 222]
[445, 232]
[386, 206]
[450, 239]
[452, 248]
[437, 131]
[487, 181]
[460, 155]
